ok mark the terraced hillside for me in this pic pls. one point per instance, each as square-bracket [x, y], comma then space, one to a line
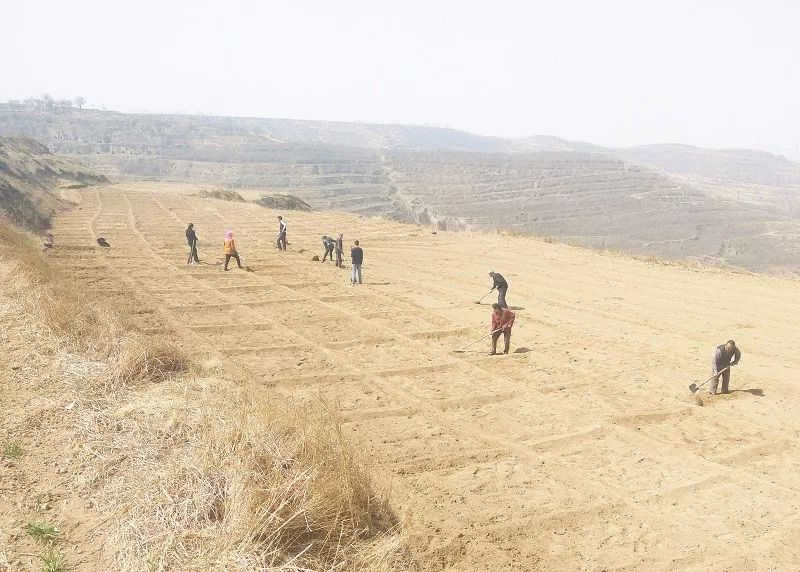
[593, 199]
[581, 450]
[721, 207]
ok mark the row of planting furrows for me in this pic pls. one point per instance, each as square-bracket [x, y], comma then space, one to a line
[492, 459]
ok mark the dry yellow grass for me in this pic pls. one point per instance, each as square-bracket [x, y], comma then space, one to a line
[267, 489]
[51, 298]
[188, 473]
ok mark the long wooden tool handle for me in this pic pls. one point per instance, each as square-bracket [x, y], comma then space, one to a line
[481, 338]
[713, 376]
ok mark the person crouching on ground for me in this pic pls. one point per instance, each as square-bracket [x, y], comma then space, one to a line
[229, 248]
[502, 321]
[722, 361]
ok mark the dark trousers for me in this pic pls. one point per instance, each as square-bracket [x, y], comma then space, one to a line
[192, 253]
[339, 258]
[328, 251]
[282, 242]
[507, 339]
[501, 297]
[726, 378]
[235, 257]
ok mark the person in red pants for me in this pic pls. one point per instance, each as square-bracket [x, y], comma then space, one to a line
[502, 321]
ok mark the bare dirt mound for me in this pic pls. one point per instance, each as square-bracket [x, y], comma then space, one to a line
[283, 202]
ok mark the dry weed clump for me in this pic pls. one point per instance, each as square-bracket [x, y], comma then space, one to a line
[139, 359]
[251, 489]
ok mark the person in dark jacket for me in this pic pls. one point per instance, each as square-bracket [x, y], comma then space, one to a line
[356, 259]
[502, 287]
[191, 238]
[725, 357]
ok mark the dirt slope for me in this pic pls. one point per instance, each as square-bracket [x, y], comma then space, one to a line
[28, 174]
[581, 451]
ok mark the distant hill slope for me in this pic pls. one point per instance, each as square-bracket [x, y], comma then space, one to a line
[83, 131]
[29, 174]
[755, 179]
[733, 207]
[733, 165]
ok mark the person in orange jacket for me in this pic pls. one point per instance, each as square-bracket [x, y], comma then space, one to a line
[502, 321]
[229, 248]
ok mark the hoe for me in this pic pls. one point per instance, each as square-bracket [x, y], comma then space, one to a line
[462, 350]
[482, 297]
[694, 387]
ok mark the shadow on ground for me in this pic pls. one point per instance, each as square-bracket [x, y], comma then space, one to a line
[758, 392]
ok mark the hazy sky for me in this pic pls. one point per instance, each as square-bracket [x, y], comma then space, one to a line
[711, 73]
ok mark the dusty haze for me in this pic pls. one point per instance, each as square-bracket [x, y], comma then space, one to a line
[615, 73]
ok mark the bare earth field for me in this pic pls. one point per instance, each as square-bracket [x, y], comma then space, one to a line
[580, 451]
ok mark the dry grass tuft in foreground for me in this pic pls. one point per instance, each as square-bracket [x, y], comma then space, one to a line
[146, 359]
[249, 488]
[189, 473]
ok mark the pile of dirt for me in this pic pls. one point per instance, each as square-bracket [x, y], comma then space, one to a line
[283, 202]
[222, 195]
[29, 176]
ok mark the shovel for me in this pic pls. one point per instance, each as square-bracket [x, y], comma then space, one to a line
[482, 297]
[462, 350]
[694, 387]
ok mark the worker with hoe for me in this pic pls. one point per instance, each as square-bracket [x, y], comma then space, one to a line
[339, 251]
[281, 242]
[502, 322]
[502, 287]
[328, 244]
[191, 238]
[229, 249]
[725, 357]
